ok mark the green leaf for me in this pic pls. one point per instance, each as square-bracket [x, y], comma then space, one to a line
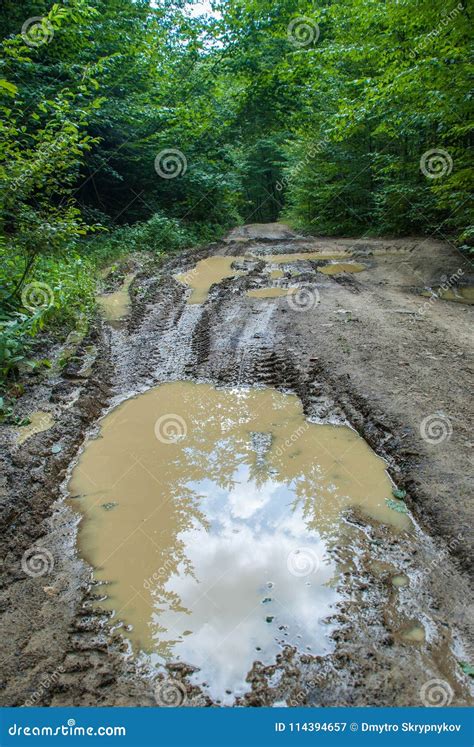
[399, 493]
[10, 88]
[467, 668]
[399, 506]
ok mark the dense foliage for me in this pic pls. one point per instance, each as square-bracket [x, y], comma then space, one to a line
[155, 126]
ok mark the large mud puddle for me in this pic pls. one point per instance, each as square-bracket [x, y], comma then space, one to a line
[215, 516]
[207, 272]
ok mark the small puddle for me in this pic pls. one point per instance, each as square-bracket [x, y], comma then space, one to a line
[39, 422]
[276, 274]
[336, 267]
[115, 306]
[268, 292]
[400, 580]
[462, 294]
[212, 514]
[205, 273]
[415, 634]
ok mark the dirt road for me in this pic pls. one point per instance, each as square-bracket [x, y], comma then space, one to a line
[358, 347]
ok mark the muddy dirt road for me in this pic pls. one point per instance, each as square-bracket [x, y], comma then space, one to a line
[342, 325]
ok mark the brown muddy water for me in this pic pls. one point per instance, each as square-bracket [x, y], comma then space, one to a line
[276, 274]
[336, 267]
[415, 634]
[212, 516]
[268, 292]
[205, 273]
[214, 269]
[115, 306]
[462, 294]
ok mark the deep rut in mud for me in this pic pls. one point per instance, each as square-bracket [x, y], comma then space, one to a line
[388, 637]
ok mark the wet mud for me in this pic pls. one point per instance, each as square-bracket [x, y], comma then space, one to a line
[361, 350]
